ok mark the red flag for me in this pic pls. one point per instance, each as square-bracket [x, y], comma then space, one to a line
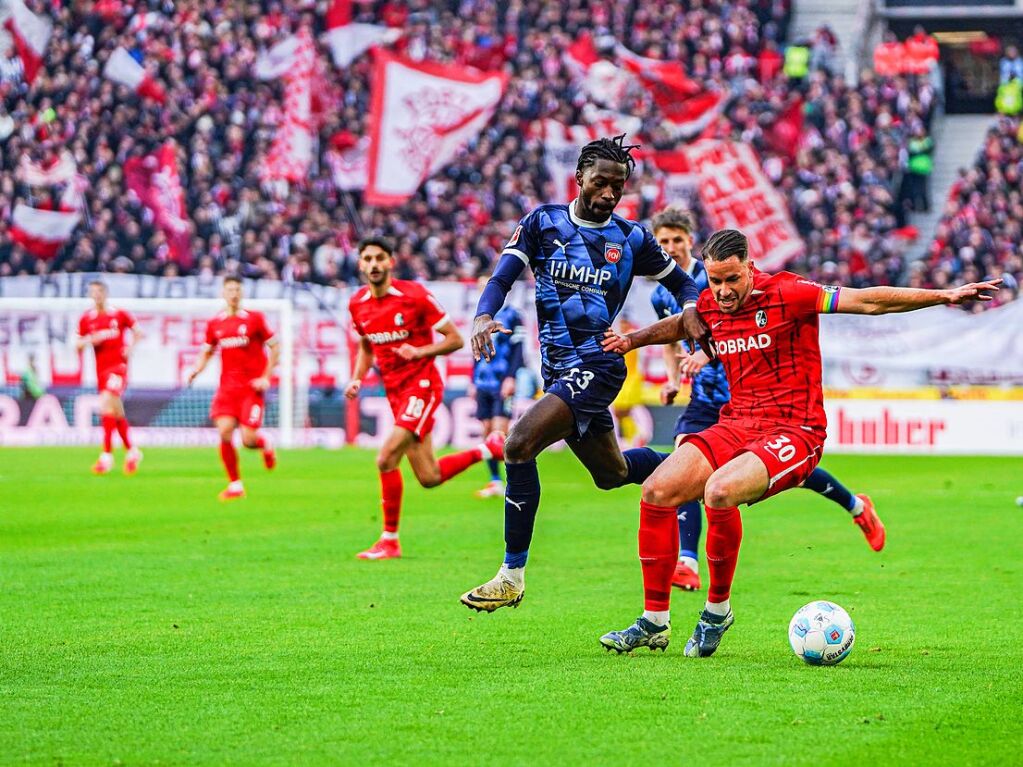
[421, 115]
[155, 181]
[666, 81]
[339, 14]
[346, 40]
[31, 34]
[783, 136]
[581, 55]
[291, 153]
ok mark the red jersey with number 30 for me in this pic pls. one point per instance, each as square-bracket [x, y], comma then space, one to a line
[108, 328]
[241, 339]
[406, 314]
[771, 351]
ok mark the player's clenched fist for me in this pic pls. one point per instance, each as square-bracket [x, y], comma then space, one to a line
[408, 352]
[483, 328]
[352, 390]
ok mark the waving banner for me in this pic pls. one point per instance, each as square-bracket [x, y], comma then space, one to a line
[421, 114]
[154, 179]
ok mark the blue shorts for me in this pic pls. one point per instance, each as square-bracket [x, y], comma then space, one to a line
[697, 416]
[490, 404]
[588, 390]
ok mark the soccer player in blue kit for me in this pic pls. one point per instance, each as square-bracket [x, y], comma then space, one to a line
[673, 230]
[494, 382]
[583, 259]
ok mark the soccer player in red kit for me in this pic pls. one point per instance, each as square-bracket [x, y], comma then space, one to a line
[242, 337]
[770, 435]
[396, 320]
[103, 328]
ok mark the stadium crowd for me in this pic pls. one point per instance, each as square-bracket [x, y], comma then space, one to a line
[842, 182]
[981, 229]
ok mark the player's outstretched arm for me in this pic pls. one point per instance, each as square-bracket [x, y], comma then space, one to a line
[666, 331]
[363, 362]
[451, 342]
[887, 300]
[491, 300]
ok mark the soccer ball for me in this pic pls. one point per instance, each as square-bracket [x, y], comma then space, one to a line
[821, 633]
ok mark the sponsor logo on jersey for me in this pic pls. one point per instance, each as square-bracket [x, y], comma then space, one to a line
[399, 320]
[233, 342]
[387, 337]
[107, 334]
[737, 345]
[612, 253]
[761, 318]
[585, 275]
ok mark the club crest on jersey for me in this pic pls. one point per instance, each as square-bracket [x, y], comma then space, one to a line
[515, 237]
[399, 320]
[761, 319]
[612, 253]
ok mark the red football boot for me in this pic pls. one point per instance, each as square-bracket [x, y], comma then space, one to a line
[685, 578]
[382, 549]
[495, 444]
[269, 454]
[870, 523]
[233, 491]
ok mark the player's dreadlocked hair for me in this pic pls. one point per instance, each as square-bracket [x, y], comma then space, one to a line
[724, 244]
[614, 149]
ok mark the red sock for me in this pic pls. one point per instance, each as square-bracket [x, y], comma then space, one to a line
[260, 443]
[122, 430]
[658, 553]
[390, 498]
[109, 424]
[450, 465]
[230, 458]
[724, 535]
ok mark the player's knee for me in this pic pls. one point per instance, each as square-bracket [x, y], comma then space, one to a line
[610, 480]
[518, 448]
[719, 493]
[657, 492]
[387, 460]
[250, 441]
[429, 480]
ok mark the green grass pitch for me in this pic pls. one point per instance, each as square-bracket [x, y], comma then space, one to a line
[143, 622]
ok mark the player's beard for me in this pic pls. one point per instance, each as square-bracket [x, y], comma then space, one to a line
[378, 277]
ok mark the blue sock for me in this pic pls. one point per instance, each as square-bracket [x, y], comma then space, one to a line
[641, 463]
[690, 520]
[521, 499]
[495, 473]
[824, 483]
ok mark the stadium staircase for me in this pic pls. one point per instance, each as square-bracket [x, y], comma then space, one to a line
[957, 140]
[847, 19]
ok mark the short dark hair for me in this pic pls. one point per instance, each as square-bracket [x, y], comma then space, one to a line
[673, 218]
[381, 242]
[724, 244]
[614, 149]
[232, 278]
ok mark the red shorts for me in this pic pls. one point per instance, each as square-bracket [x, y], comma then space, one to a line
[415, 405]
[790, 454]
[245, 405]
[113, 379]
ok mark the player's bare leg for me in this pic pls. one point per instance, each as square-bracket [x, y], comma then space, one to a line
[743, 479]
[254, 439]
[680, 478]
[546, 422]
[225, 427]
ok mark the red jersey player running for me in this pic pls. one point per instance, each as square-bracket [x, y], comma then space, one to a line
[395, 320]
[770, 436]
[245, 374]
[103, 328]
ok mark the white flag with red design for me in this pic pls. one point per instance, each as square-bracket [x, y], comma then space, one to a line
[154, 179]
[55, 171]
[348, 40]
[291, 153]
[421, 115]
[123, 69]
[350, 168]
[42, 232]
[31, 34]
[736, 194]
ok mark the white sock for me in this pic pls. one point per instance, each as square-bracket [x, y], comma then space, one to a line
[514, 575]
[691, 563]
[657, 617]
[106, 456]
[718, 608]
[857, 509]
[236, 485]
[485, 451]
[388, 536]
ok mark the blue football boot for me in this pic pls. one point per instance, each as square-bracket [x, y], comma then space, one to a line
[708, 633]
[642, 633]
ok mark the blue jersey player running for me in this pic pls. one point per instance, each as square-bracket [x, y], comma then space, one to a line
[494, 382]
[673, 229]
[583, 259]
